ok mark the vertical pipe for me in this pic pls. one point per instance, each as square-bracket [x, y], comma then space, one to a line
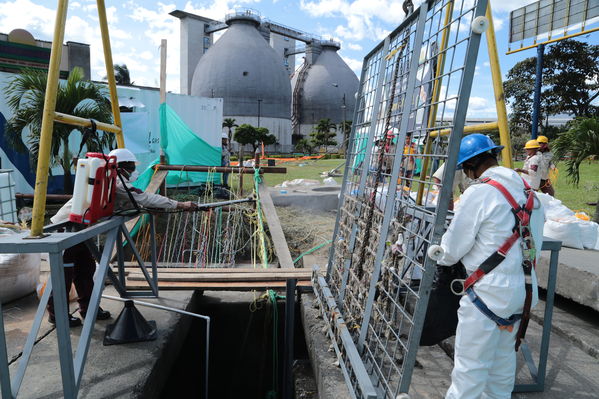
[504, 132]
[61, 310]
[536, 104]
[114, 99]
[289, 338]
[432, 117]
[5, 389]
[162, 71]
[45, 142]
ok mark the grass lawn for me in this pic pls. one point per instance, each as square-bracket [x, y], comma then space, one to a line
[573, 197]
[310, 169]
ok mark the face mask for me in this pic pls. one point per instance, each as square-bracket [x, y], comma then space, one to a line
[133, 176]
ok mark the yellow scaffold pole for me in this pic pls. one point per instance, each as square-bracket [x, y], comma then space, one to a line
[114, 99]
[50, 115]
[432, 117]
[45, 143]
[504, 132]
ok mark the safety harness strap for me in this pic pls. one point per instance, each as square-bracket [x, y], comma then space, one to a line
[484, 309]
[520, 230]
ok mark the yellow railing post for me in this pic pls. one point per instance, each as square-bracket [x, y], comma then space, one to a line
[114, 99]
[45, 143]
[432, 117]
[504, 132]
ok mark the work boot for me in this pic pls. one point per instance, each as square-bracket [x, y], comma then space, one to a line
[73, 321]
[102, 314]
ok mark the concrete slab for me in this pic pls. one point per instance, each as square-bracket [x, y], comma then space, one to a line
[316, 198]
[110, 371]
[329, 378]
[577, 275]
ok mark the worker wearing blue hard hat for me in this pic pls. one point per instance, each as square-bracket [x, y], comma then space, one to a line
[485, 357]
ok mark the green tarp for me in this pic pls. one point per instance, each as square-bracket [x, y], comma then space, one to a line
[181, 147]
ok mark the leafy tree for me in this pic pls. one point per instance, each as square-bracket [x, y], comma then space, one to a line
[229, 123]
[25, 97]
[303, 145]
[254, 136]
[324, 133]
[570, 71]
[580, 142]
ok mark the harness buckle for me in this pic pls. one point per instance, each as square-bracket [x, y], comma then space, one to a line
[460, 284]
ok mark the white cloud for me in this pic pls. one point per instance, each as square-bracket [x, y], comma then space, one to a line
[353, 46]
[355, 65]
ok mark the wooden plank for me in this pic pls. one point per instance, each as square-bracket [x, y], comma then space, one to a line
[132, 268]
[217, 286]
[223, 276]
[274, 227]
[183, 266]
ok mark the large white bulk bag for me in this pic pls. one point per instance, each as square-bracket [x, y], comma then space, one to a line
[566, 231]
[19, 273]
[588, 233]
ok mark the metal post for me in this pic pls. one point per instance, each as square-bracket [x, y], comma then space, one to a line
[548, 316]
[5, 389]
[289, 338]
[536, 104]
[61, 312]
[259, 101]
[45, 142]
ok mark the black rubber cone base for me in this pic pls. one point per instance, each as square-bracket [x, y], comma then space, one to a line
[129, 327]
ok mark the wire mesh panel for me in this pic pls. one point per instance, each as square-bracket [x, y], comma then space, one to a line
[409, 120]
[8, 209]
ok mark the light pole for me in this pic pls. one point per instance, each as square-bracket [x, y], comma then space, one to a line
[259, 102]
[345, 138]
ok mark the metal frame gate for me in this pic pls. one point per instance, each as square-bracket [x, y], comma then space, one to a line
[378, 276]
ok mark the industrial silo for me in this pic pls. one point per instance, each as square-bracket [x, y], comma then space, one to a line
[324, 87]
[248, 74]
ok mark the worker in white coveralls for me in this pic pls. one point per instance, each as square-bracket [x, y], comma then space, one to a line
[532, 164]
[79, 263]
[546, 166]
[485, 357]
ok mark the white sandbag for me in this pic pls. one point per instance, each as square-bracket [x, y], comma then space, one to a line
[554, 209]
[567, 231]
[19, 274]
[588, 233]
[329, 181]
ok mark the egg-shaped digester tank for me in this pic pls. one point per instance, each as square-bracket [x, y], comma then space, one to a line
[325, 89]
[245, 71]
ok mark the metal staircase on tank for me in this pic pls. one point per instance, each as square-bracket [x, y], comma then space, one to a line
[297, 97]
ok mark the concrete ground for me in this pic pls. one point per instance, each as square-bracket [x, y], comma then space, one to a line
[134, 370]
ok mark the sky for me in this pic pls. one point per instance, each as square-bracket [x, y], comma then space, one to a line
[137, 26]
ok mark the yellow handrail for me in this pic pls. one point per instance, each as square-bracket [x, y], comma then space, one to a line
[469, 129]
[77, 121]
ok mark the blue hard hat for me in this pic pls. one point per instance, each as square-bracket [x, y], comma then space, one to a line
[476, 144]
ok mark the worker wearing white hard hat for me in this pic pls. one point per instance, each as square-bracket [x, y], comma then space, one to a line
[127, 167]
[79, 263]
[485, 357]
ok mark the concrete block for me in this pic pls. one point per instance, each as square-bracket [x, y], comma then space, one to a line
[577, 275]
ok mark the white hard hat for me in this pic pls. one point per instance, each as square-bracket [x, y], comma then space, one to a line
[225, 136]
[123, 155]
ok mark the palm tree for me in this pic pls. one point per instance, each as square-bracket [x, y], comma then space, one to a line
[323, 133]
[229, 123]
[121, 75]
[580, 142]
[25, 97]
